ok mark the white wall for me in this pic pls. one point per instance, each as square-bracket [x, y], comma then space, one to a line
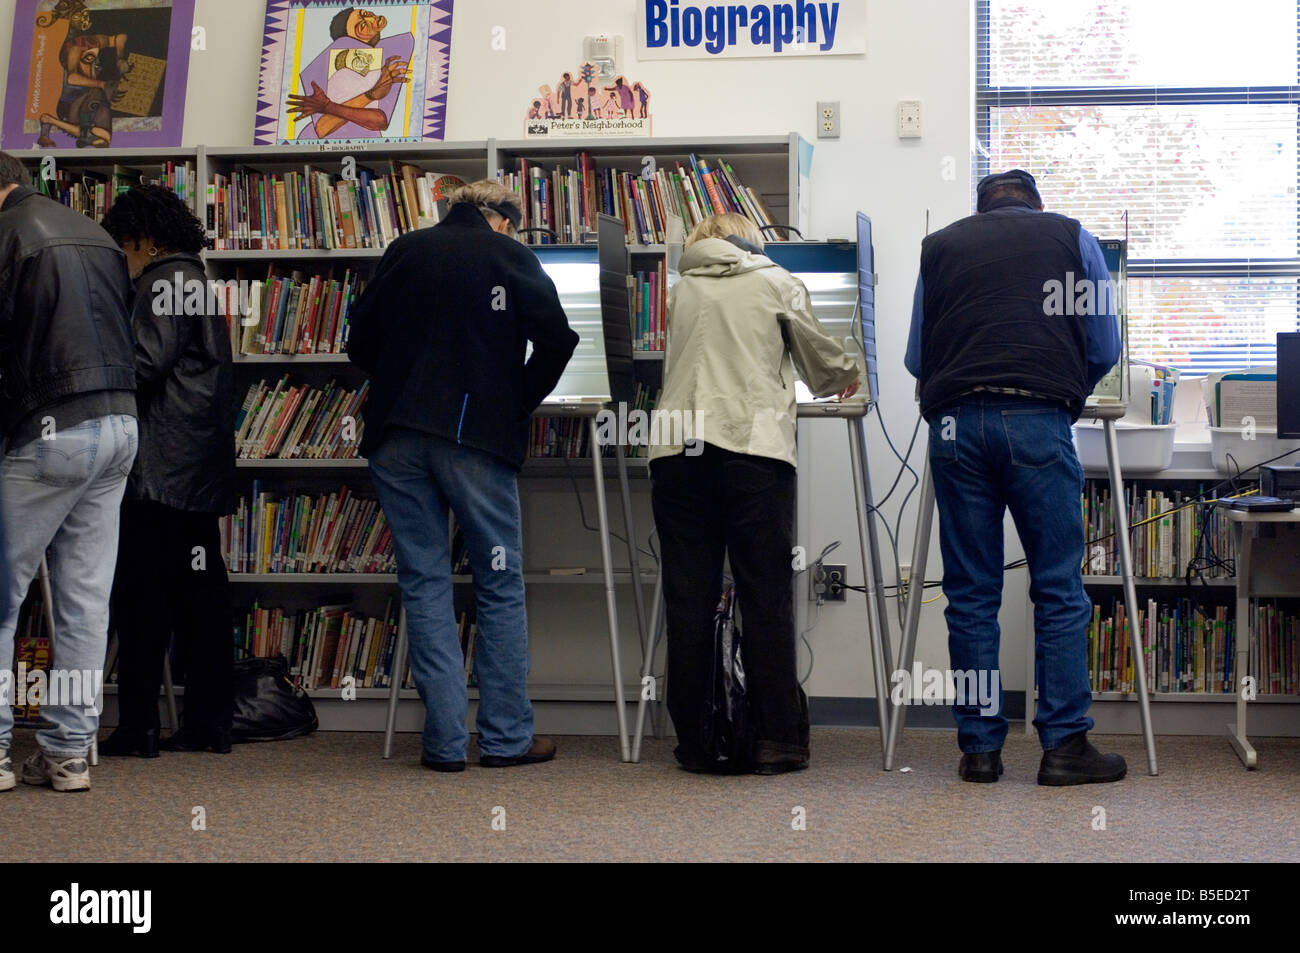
[916, 49]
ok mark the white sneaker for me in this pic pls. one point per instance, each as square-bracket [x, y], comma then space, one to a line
[7, 780]
[65, 774]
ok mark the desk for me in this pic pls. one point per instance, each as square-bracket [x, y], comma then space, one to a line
[1276, 576]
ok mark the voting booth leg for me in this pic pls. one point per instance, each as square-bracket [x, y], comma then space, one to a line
[649, 687]
[877, 625]
[1130, 589]
[394, 690]
[915, 597]
[633, 554]
[611, 604]
[873, 539]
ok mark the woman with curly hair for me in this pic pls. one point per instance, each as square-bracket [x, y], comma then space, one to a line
[171, 578]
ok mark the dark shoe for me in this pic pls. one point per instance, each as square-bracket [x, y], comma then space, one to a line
[198, 739]
[124, 742]
[982, 767]
[446, 767]
[1078, 762]
[542, 749]
[779, 767]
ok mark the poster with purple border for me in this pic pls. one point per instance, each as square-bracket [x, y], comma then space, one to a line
[97, 74]
[347, 72]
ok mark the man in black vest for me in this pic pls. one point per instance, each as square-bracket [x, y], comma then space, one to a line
[68, 428]
[1004, 370]
[443, 329]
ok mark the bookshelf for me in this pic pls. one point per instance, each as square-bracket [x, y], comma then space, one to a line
[1193, 711]
[570, 678]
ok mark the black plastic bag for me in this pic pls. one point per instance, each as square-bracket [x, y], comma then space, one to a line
[727, 731]
[269, 707]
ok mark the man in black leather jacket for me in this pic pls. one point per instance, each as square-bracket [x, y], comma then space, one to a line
[67, 418]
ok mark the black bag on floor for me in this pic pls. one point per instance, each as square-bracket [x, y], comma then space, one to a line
[727, 730]
[269, 707]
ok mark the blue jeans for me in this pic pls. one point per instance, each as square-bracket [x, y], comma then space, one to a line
[989, 454]
[418, 477]
[64, 494]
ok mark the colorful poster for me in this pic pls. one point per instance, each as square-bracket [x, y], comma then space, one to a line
[341, 72]
[97, 73]
[582, 104]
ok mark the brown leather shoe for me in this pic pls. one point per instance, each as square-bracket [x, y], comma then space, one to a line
[542, 749]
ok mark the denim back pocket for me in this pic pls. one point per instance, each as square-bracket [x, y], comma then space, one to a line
[68, 457]
[1036, 436]
[943, 437]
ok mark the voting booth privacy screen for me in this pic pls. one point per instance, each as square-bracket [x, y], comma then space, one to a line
[576, 273]
[1114, 387]
[1288, 385]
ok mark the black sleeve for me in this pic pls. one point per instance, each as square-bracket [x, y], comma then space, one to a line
[547, 326]
[159, 340]
[378, 306]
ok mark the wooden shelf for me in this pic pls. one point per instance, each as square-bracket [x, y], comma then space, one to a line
[291, 359]
[271, 463]
[315, 578]
[1226, 583]
[290, 254]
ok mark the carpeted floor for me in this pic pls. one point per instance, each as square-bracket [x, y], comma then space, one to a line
[330, 797]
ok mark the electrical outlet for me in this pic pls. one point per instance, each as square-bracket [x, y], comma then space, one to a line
[909, 119]
[828, 120]
[826, 582]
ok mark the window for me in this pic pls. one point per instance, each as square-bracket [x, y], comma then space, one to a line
[1175, 123]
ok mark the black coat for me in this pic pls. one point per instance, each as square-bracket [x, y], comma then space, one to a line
[186, 393]
[64, 329]
[442, 330]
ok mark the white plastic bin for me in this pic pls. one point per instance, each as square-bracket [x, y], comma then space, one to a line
[1264, 445]
[1143, 448]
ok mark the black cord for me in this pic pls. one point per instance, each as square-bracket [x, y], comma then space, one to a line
[582, 514]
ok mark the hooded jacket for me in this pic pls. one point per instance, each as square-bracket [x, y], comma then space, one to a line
[738, 327]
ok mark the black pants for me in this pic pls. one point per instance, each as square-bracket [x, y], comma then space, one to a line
[731, 504]
[158, 592]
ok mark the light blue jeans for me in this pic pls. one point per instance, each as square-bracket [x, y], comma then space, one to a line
[418, 477]
[62, 497]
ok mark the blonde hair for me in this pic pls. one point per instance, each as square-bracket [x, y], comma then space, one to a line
[484, 194]
[725, 225]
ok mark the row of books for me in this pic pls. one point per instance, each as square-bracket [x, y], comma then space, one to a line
[1275, 649]
[32, 652]
[289, 422]
[1188, 648]
[568, 201]
[324, 645]
[1179, 531]
[293, 314]
[249, 209]
[650, 309]
[92, 193]
[570, 437]
[336, 532]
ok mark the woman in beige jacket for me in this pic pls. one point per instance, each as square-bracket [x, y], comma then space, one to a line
[724, 482]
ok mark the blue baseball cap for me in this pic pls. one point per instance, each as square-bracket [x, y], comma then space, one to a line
[1017, 177]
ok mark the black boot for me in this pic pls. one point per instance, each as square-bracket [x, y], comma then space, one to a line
[199, 739]
[1078, 762]
[141, 742]
[983, 767]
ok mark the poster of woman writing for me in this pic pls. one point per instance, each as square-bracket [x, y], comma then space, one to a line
[97, 74]
[348, 72]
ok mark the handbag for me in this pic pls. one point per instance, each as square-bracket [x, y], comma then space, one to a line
[268, 706]
[727, 731]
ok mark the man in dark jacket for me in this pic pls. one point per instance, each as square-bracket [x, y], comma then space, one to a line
[69, 429]
[443, 329]
[1004, 371]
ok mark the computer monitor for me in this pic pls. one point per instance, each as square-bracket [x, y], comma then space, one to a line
[1288, 385]
[576, 273]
